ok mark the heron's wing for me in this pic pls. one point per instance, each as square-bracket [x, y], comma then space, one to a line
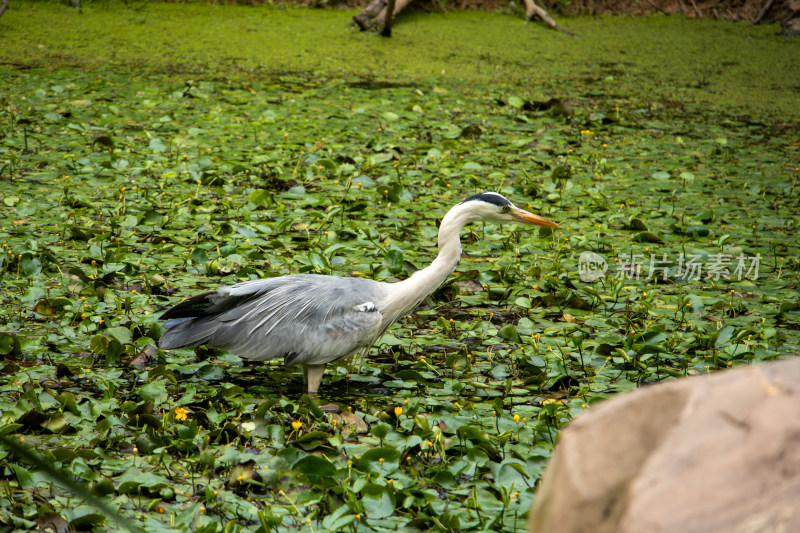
[304, 319]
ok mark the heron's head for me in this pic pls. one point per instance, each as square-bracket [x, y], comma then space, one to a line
[495, 207]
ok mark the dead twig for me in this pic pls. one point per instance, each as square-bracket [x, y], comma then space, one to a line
[533, 10]
[365, 19]
[658, 8]
[696, 10]
[763, 11]
[386, 31]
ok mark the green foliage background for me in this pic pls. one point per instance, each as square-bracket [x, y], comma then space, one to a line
[184, 147]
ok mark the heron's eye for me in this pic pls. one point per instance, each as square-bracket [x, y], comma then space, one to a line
[506, 209]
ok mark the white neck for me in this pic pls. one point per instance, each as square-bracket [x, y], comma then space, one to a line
[407, 294]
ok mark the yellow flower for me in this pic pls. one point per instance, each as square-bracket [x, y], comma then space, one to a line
[516, 419]
[181, 414]
[398, 411]
[297, 425]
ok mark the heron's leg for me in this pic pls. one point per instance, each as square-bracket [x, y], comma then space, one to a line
[312, 376]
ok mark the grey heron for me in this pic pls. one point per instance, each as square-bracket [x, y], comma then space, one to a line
[312, 319]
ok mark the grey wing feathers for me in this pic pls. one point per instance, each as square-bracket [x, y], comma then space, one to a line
[304, 319]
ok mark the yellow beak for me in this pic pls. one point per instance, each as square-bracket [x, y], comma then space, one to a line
[529, 218]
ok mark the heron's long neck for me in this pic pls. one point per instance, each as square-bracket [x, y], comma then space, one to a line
[423, 282]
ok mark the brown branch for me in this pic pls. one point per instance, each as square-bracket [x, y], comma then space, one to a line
[386, 31]
[3, 6]
[366, 18]
[763, 11]
[657, 7]
[532, 10]
[400, 5]
[696, 10]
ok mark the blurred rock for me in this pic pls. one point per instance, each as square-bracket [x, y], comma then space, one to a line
[718, 453]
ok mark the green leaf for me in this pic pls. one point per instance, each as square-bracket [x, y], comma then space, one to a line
[393, 261]
[378, 501]
[199, 256]
[84, 517]
[30, 264]
[380, 158]
[154, 392]
[646, 236]
[340, 518]
[724, 336]
[384, 460]
[660, 175]
[516, 102]
[316, 469]
[312, 440]
[261, 197]
[380, 430]
[157, 146]
[317, 261]
[509, 333]
[638, 224]
[511, 475]
[24, 477]
[697, 231]
[98, 344]
[133, 479]
[9, 344]
[122, 334]
[695, 302]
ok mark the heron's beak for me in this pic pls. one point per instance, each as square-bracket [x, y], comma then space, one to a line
[529, 218]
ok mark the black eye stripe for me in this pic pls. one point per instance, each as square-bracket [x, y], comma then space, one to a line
[490, 198]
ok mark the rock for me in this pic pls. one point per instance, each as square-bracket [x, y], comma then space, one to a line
[718, 453]
[351, 422]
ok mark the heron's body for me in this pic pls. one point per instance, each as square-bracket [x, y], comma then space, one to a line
[313, 319]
